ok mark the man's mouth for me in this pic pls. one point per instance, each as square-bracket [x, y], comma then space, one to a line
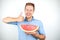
[28, 14]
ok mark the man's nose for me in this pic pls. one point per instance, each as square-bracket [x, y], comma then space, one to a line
[29, 11]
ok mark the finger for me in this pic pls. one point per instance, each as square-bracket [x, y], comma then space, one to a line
[27, 33]
[20, 14]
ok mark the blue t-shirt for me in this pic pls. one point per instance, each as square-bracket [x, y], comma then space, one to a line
[22, 35]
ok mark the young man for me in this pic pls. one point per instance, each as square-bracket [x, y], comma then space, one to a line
[29, 19]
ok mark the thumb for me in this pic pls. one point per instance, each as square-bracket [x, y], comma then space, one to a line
[21, 13]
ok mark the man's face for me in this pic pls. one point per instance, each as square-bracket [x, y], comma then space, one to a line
[29, 11]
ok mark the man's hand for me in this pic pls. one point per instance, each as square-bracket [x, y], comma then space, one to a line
[35, 34]
[30, 33]
[20, 18]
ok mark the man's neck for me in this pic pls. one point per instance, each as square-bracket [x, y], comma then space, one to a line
[29, 19]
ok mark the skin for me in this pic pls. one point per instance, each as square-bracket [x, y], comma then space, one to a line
[28, 13]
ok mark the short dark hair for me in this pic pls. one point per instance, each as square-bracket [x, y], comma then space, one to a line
[32, 4]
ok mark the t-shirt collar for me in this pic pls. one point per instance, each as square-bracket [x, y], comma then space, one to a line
[27, 20]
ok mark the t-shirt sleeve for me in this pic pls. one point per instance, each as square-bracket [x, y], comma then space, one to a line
[41, 29]
[13, 23]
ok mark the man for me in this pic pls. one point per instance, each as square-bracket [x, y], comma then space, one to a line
[29, 19]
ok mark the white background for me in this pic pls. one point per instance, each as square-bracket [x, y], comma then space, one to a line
[45, 10]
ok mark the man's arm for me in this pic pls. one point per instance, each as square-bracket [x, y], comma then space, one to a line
[10, 19]
[39, 36]
[35, 34]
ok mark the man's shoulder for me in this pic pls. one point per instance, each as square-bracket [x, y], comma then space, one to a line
[39, 21]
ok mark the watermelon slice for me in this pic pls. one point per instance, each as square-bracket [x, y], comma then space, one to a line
[28, 27]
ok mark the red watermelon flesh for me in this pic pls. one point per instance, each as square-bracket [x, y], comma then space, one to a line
[28, 27]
